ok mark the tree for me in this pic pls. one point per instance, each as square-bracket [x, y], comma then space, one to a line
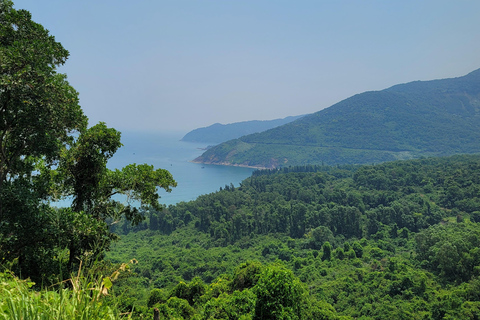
[82, 174]
[39, 112]
[321, 235]
[280, 295]
[38, 108]
[47, 153]
[246, 275]
[452, 250]
[327, 251]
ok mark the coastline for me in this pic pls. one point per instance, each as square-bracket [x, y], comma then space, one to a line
[230, 165]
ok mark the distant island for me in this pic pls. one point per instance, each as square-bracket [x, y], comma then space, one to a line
[218, 133]
[416, 119]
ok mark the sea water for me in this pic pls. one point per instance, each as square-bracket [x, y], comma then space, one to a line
[165, 150]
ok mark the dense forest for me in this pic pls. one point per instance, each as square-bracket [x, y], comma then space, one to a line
[397, 240]
[421, 118]
[352, 201]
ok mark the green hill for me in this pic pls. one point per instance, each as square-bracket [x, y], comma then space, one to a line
[397, 240]
[217, 133]
[421, 118]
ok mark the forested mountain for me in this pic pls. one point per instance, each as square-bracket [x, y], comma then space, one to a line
[398, 240]
[217, 133]
[422, 118]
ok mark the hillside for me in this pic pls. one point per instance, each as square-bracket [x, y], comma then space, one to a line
[421, 118]
[398, 240]
[217, 133]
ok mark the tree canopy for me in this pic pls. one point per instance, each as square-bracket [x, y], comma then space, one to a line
[38, 108]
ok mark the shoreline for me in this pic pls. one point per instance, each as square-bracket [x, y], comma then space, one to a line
[230, 165]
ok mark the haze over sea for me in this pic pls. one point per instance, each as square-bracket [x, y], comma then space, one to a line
[165, 150]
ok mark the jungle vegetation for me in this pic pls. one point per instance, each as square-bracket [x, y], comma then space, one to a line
[397, 240]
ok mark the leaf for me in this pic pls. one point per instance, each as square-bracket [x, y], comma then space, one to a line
[107, 283]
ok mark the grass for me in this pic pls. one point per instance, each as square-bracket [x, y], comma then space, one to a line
[78, 298]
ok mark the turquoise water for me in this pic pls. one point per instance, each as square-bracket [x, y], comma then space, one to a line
[166, 151]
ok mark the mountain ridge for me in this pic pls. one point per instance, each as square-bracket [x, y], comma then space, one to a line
[410, 120]
[217, 132]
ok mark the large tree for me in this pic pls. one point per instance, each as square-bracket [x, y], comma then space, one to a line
[47, 152]
[39, 112]
[83, 175]
[38, 108]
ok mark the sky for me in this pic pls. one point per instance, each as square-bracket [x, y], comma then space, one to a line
[177, 65]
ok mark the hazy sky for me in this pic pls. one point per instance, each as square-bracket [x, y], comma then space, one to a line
[178, 65]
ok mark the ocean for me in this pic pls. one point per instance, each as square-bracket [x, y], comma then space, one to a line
[165, 150]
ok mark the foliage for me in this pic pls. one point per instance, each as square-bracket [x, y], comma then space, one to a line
[279, 295]
[246, 276]
[83, 174]
[47, 153]
[452, 250]
[397, 267]
[38, 113]
[323, 203]
[236, 306]
[85, 300]
[38, 108]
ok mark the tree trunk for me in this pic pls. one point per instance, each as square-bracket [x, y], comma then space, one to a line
[156, 314]
[1, 206]
[71, 257]
[1, 189]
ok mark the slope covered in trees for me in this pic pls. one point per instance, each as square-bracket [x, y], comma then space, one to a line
[397, 240]
[349, 201]
[217, 133]
[422, 118]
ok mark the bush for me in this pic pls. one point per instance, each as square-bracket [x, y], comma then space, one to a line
[280, 295]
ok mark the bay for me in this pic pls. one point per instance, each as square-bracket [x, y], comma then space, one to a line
[165, 150]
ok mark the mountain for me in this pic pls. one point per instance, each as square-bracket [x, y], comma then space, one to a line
[217, 133]
[421, 118]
